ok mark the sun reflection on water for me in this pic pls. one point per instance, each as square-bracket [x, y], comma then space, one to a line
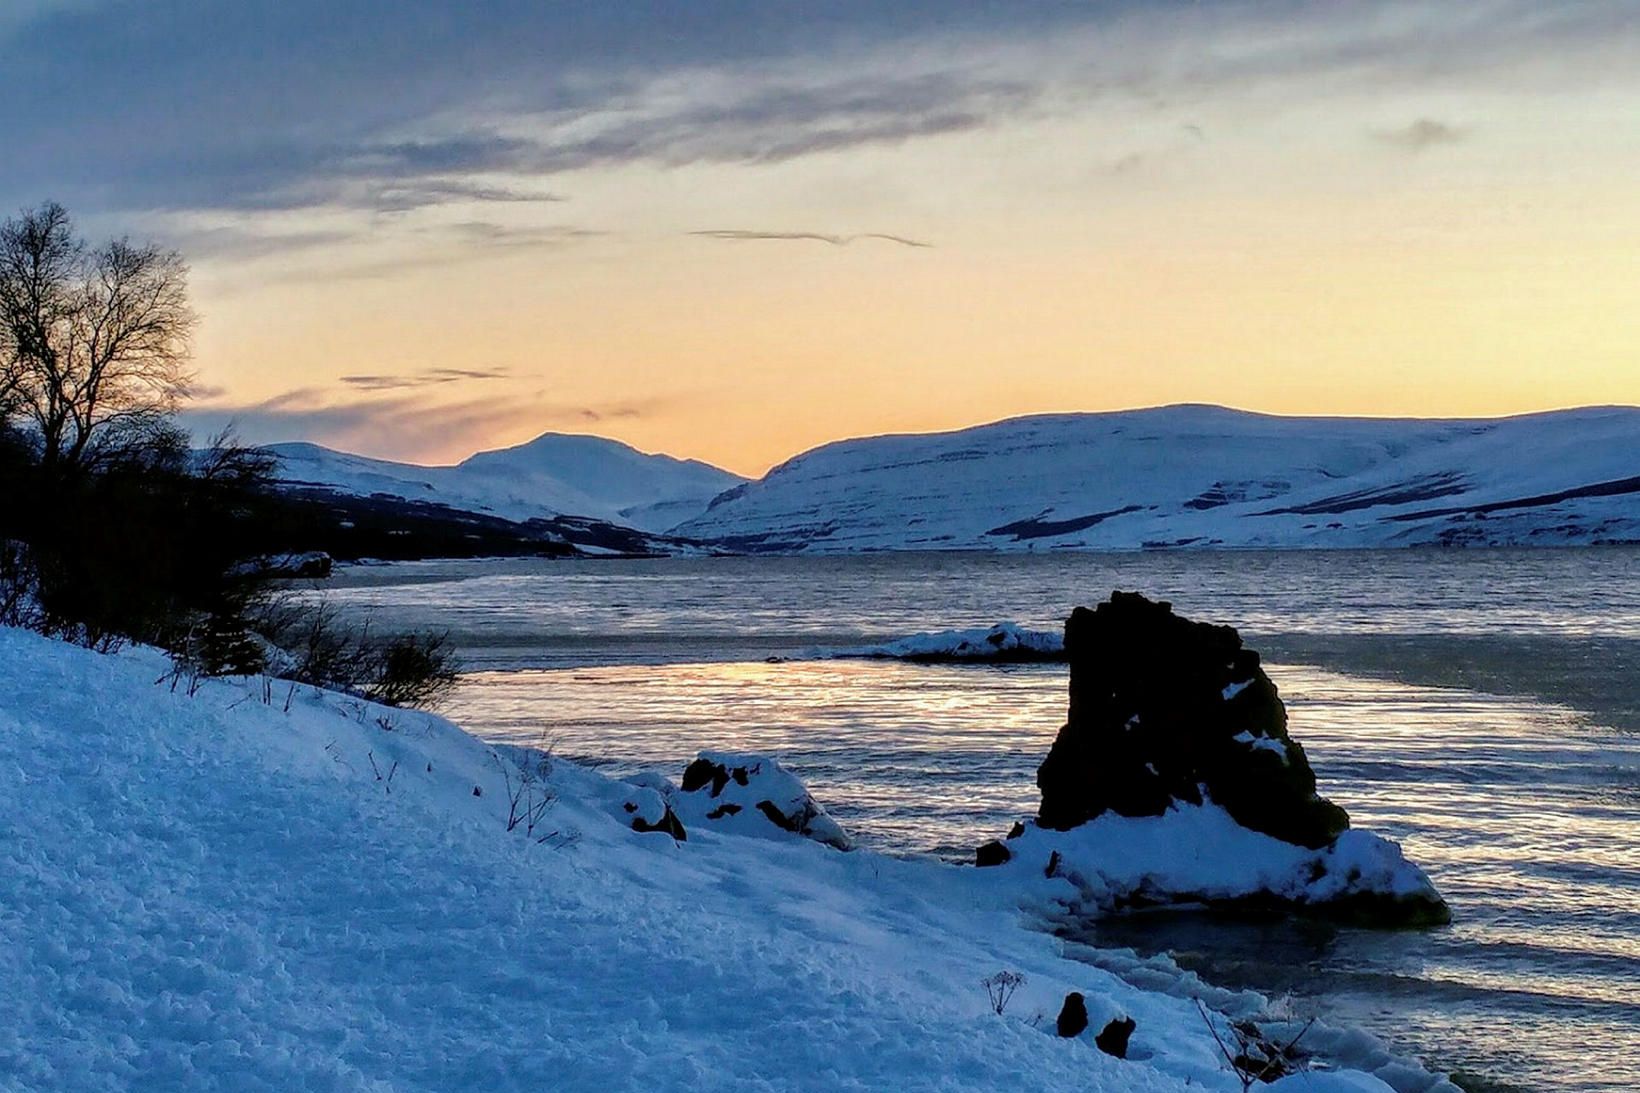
[1521, 812]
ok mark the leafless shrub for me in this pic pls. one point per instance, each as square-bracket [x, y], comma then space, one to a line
[1256, 1058]
[1000, 988]
[327, 650]
[526, 775]
[411, 670]
[19, 587]
[187, 667]
[387, 780]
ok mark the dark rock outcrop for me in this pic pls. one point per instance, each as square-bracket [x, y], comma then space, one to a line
[1073, 1016]
[1113, 1038]
[1163, 709]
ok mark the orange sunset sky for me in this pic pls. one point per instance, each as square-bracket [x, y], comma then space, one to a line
[740, 231]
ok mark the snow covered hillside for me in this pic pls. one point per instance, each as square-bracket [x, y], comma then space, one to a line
[555, 473]
[1200, 476]
[264, 888]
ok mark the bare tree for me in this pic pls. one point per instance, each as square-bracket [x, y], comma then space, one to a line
[95, 340]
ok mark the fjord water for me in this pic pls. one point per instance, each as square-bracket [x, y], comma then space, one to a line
[1483, 707]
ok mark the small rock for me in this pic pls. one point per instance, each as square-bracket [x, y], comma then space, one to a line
[1113, 1039]
[992, 853]
[651, 812]
[669, 823]
[1073, 1017]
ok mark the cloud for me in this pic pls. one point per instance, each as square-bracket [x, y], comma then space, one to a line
[1422, 134]
[247, 242]
[290, 104]
[493, 234]
[817, 237]
[263, 106]
[420, 193]
[408, 425]
[1127, 164]
[431, 377]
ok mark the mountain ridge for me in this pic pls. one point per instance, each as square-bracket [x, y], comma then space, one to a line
[570, 474]
[1190, 475]
[1193, 474]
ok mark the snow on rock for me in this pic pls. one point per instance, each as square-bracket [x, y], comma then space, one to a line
[218, 892]
[1199, 854]
[749, 795]
[651, 812]
[1195, 477]
[1174, 781]
[1006, 642]
[307, 563]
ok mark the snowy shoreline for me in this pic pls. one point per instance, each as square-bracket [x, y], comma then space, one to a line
[1002, 643]
[278, 887]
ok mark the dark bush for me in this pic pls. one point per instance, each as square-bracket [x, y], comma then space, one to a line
[412, 670]
[145, 546]
[326, 650]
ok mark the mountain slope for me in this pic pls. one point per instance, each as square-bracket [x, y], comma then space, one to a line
[1199, 476]
[553, 474]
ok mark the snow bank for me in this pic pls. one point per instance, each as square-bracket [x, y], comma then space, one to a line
[1326, 1082]
[1006, 641]
[267, 887]
[1198, 854]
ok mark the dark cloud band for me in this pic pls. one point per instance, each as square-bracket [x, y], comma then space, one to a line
[734, 234]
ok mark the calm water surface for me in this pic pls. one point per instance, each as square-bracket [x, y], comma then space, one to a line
[1481, 707]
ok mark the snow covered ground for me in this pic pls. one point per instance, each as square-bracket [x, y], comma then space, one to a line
[554, 474]
[255, 887]
[1200, 476]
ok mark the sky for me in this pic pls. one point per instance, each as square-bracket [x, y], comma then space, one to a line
[732, 230]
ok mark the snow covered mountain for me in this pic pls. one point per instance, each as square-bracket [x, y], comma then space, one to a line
[1199, 476]
[555, 473]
